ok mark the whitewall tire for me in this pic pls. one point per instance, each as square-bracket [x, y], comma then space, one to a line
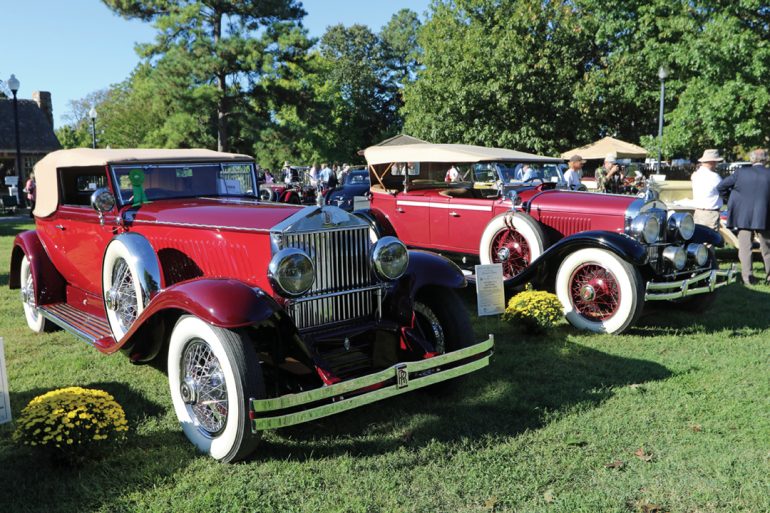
[35, 319]
[515, 249]
[123, 296]
[599, 291]
[212, 374]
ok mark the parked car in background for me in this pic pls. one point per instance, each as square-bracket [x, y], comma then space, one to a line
[354, 185]
[604, 255]
[291, 186]
[267, 315]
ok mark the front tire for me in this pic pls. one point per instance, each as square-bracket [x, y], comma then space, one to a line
[600, 292]
[35, 319]
[515, 249]
[212, 373]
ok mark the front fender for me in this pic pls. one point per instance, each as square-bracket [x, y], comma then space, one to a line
[705, 235]
[426, 268]
[378, 221]
[622, 245]
[50, 285]
[224, 303]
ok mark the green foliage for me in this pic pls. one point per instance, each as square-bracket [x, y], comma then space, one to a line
[535, 310]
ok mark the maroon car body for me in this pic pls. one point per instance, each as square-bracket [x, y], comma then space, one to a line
[268, 315]
[604, 255]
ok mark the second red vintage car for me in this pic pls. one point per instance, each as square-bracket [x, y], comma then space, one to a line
[604, 255]
[267, 315]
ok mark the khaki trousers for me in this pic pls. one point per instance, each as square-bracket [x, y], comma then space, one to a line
[708, 218]
[744, 251]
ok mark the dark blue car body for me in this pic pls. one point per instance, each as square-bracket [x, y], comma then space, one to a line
[356, 183]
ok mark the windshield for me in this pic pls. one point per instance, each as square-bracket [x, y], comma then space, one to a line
[139, 183]
[511, 172]
[357, 178]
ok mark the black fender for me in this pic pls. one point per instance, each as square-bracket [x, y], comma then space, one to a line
[377, 221]
[544, 268]
[425, 269]
[50, 284]
[705, 235]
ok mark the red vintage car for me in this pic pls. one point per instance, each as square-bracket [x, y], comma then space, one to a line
[604, 255]
[268, 315]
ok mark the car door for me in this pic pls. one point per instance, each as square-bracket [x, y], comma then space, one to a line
[466, 220]
[411, 218]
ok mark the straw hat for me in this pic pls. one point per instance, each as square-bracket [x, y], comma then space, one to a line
[710, 156]
[610, 158]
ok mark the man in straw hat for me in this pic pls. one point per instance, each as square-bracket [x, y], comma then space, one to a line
[572, 176]
[749, 211]
[705, 196]
[609, 177]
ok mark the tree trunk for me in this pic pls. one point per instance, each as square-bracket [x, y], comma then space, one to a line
[222, 87]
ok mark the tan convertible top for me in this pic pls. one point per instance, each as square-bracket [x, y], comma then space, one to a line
[449, 153]
[45, 170]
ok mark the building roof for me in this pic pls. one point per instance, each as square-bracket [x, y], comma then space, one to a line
[45, 170]
[35, 133]
[605, 146]
[449, 153]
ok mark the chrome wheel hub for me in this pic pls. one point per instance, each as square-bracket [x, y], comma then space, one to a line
[203, 388]
[587, 293]
[503, 254]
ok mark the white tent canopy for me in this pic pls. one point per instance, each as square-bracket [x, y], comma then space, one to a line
[605, 146]
[448, 153]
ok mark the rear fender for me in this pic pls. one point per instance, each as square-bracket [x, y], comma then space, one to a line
[543, 269]
[705, 235]
[224, 303]
[50, 284]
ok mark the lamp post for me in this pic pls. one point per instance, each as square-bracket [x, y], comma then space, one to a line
[92, 115]
[662, 75]
[13, 85]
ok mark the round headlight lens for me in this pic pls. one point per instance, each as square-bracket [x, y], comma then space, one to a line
[646, 228]
[676, 255]
[699, 253]
[681, 224]
[291, 272]
[389, 258]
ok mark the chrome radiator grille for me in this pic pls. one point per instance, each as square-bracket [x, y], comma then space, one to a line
[344, 288]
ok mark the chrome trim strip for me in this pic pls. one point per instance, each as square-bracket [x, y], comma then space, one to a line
[204, 226]
[665, 291]
[335, 294]
[481, 353]
[446, 206]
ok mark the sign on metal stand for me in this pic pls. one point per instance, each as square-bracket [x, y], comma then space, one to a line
[490, 296]
[5, 400]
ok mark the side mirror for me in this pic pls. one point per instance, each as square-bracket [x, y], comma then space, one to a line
[102, 201]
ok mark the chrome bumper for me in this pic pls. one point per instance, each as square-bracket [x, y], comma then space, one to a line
[702, 283]
[404, 377]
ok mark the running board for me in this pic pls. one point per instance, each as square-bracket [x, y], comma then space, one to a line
[89, 327]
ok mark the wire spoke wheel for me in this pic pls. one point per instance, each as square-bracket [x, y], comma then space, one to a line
[203, 387]
[594, 292]
[510, 248]
[430, 327]
[123, 295]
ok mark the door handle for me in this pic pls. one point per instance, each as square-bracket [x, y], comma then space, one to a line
[454, 214]
[60, 227]
[400, 210]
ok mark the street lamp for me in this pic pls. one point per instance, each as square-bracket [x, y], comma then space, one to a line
[92, 115]
[662, 75]
[13, 85]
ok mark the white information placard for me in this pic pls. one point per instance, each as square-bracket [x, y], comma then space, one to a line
[490, 296]
[5, 400]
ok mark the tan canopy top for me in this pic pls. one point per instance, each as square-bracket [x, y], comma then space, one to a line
[449, 153]
[45, 170]
[608, 145]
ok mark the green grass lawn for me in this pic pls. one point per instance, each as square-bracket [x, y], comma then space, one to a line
[553, 425]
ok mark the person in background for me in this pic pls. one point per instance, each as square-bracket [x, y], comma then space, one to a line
[452, 175]
[572, 176]
[749, 211]
[313, 174]
[269, 176]
[705, 196]
[325, 175]
[609, 177]
[343, 173]
[525, 173]
[287, 173]
[31, 189]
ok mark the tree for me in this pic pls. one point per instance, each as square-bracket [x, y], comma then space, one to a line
[231, 50]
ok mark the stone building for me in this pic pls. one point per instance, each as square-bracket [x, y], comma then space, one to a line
[35, 133]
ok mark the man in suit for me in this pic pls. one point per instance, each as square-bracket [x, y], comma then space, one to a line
[749, 206]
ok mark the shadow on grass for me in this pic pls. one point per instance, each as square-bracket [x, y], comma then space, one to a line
[530, 382]
[31, 482]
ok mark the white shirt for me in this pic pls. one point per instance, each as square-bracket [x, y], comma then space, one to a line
[704, 189]
[573, 179]
[453, 175]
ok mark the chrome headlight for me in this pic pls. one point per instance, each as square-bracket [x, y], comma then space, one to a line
[699, 253]
[389, 258]
[681, 224]
[291, 272]
[646, 227]
[676, 255]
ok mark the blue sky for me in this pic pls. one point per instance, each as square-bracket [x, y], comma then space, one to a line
[74, 47]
